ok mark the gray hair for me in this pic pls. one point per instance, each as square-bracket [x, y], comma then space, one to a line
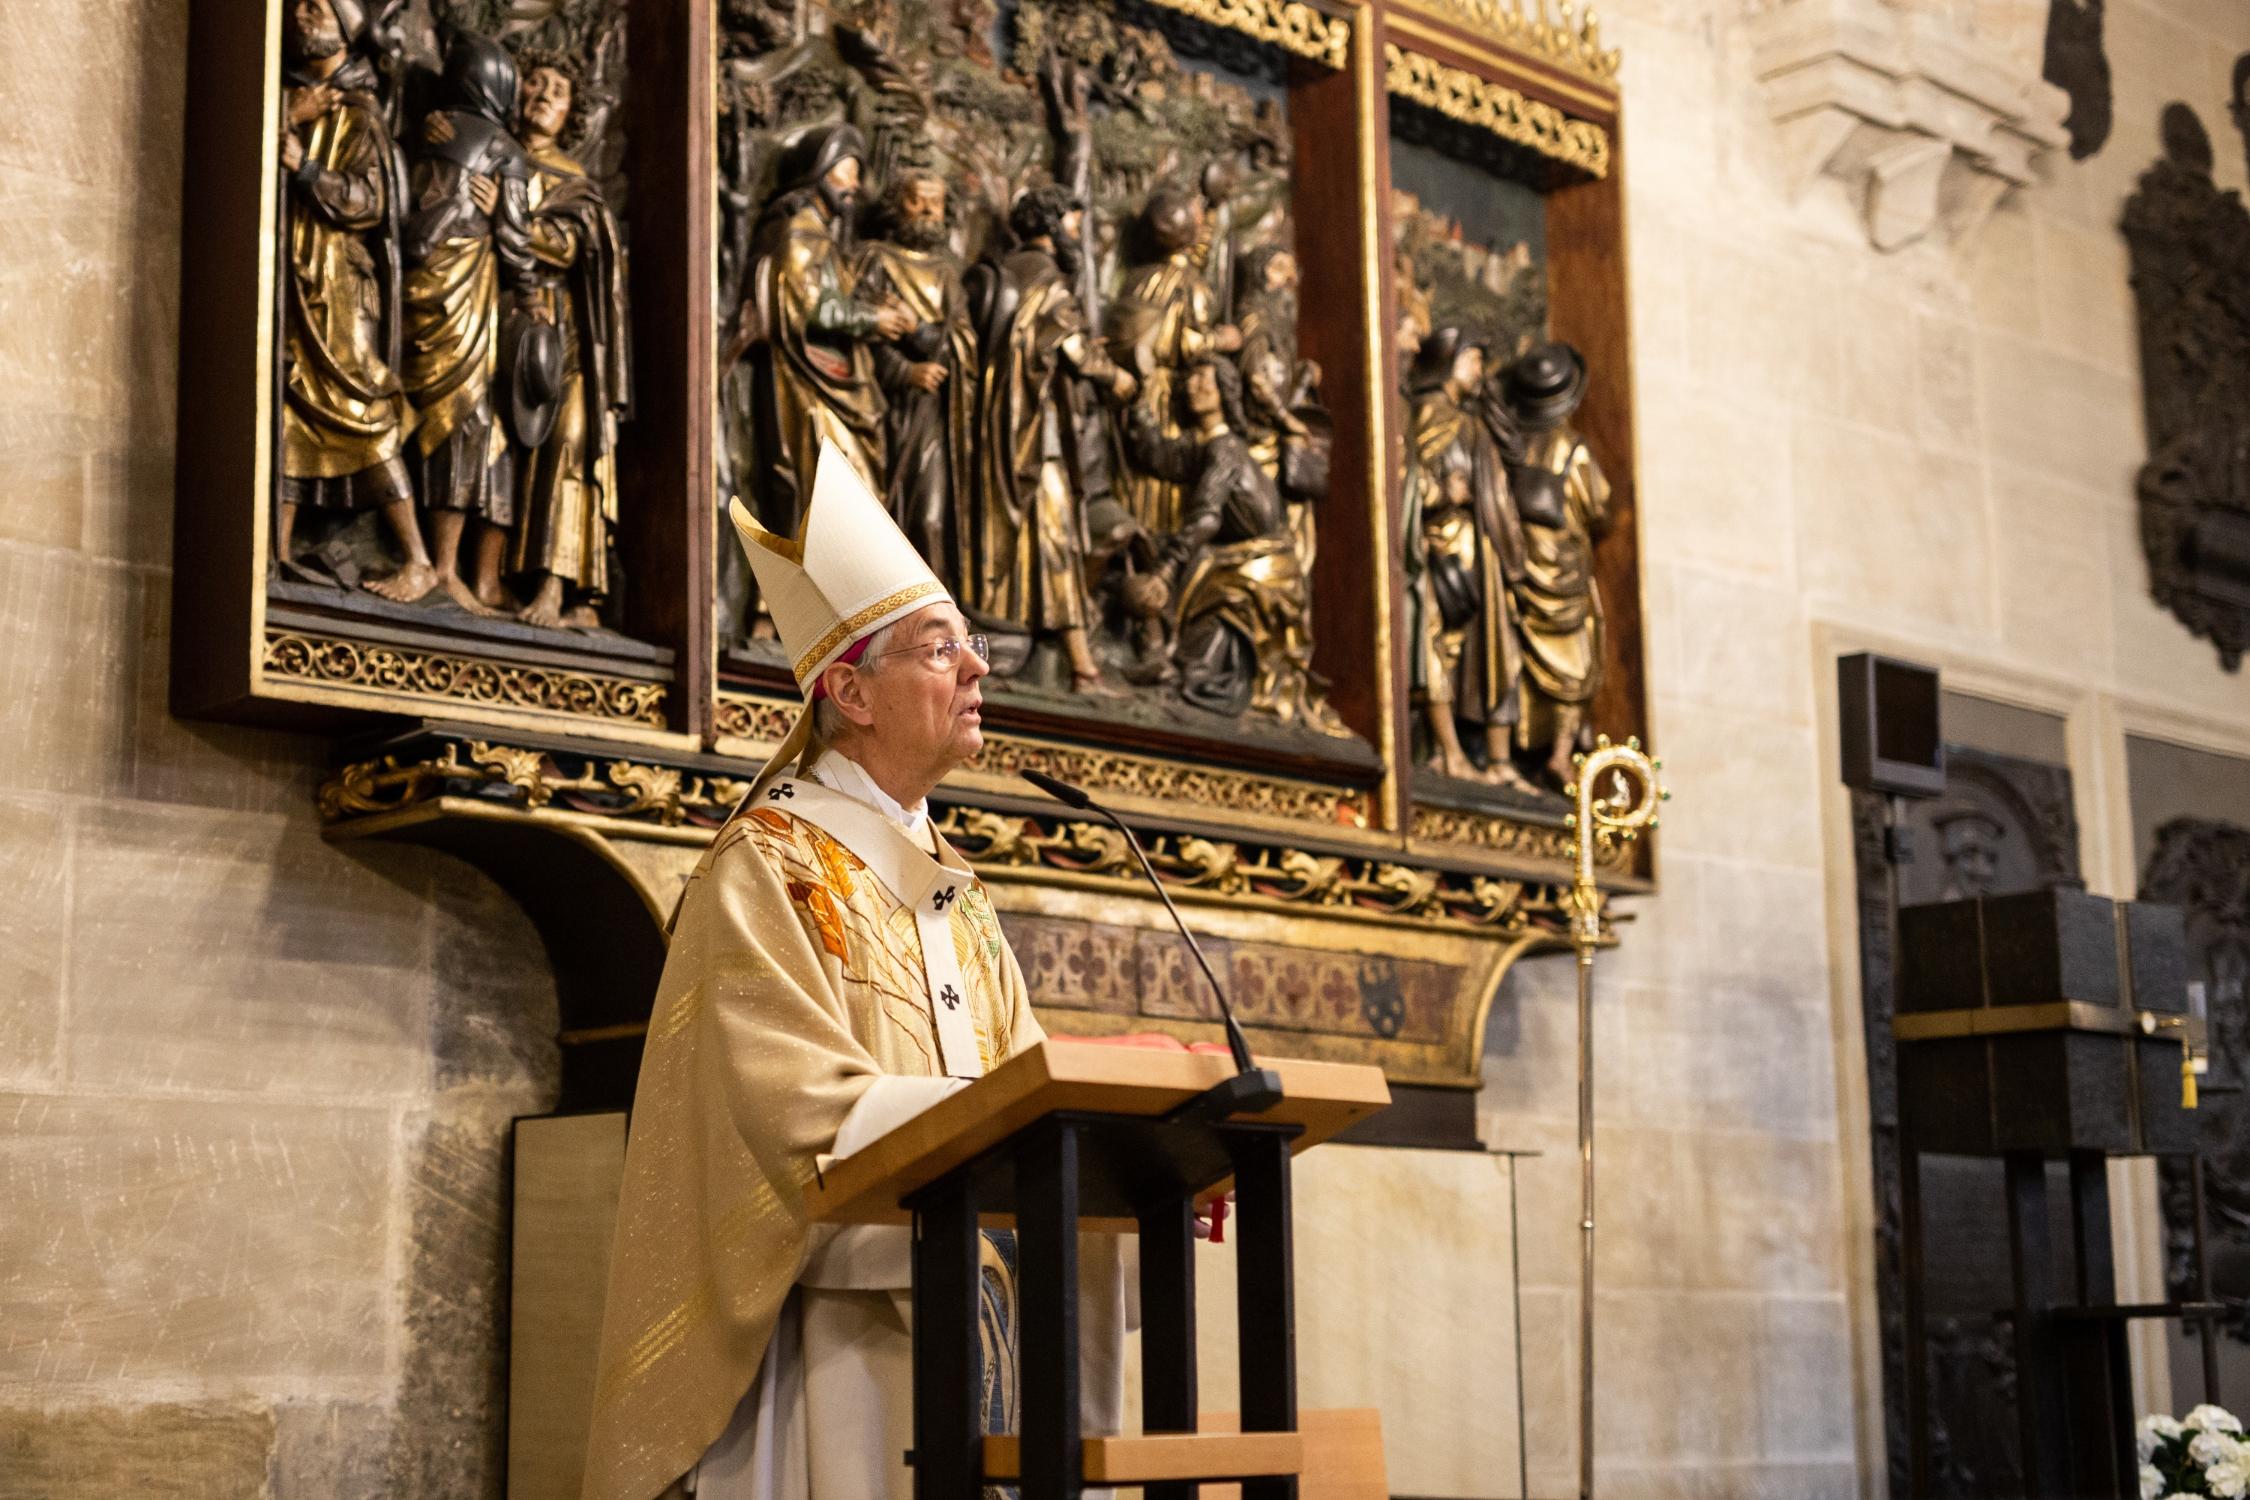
[828, 722]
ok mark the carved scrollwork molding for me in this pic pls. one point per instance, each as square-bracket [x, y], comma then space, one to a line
[1505, 835]
[1571, 43]
[621, 790]
[1288, 24]
[331, 662]
[1494, 107]
[1241, 870]
[1929, 128]
[744, 717]
[628, 793]
[1187, 783]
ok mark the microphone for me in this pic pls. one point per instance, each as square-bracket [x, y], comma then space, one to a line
[1253, 1089]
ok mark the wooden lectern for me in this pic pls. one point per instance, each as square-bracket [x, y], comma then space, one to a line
[1076, 1133]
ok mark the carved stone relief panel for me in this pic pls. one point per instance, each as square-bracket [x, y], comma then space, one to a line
[454, 359]
[2202, 866]
[2190, 244]
[2078, 63]
[1505, 500]
[1037, 272]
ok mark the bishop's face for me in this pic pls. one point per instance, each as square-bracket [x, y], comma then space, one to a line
[926, 712]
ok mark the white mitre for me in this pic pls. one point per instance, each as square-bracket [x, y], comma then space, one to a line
[848, 572]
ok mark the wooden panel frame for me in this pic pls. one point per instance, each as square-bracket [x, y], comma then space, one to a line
[225, 664]
[1589, 306]
[348, 672]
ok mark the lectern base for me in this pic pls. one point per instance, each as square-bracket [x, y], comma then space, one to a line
[1068, 1166]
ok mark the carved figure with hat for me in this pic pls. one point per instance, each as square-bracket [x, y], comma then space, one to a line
[1562, 500]
[1462, 550]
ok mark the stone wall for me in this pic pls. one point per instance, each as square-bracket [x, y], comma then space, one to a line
[1933, 450]
[252, 1088]
[254, 1085]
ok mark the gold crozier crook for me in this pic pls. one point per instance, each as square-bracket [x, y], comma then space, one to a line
[1616, 795]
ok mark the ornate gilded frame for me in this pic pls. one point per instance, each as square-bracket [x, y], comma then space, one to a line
[633, 760]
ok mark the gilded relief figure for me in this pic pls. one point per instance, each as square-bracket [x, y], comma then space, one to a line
[466, 237]
[1289, 430]
[805, 329]
[575, 285]
[1043, 447]
[344, 418]
[1463, 546]
[1164, 317]
[1242, 641]
[929, 376]
[1562, 500]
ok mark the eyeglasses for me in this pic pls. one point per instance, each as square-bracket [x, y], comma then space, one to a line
[945, 655]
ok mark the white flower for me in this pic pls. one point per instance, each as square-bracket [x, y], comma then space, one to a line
[2229, 1479]
[2152, 1483]
[2214, 1448]
[2155, 1432]
[2209, 1418]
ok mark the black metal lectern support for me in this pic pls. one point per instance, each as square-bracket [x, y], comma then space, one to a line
[1065, 1167]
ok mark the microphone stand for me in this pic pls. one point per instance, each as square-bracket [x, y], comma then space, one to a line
[1252, 1089]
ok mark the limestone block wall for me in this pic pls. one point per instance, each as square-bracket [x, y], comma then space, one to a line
[252, 1086]
[1932, 451]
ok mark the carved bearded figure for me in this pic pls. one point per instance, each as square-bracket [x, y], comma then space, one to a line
[928, 376]
[575, 282]
[1164, 318]
[807, 330]
[1042, 445]
[1243, 640]
[466, 237]
[344, 418]
[1462, 546]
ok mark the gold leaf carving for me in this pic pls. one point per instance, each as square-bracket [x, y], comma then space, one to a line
[1288, 24]
[1228, 870]
[433, 674]
[740, 716]
[1494, 107]
[1569, 43]
[767, 721]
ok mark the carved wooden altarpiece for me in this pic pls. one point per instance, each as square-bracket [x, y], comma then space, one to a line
[1362, 912]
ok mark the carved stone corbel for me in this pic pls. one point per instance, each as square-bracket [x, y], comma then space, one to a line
[1930, 129]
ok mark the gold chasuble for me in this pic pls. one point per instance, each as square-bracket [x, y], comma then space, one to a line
[796, 980]
[835, 968]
